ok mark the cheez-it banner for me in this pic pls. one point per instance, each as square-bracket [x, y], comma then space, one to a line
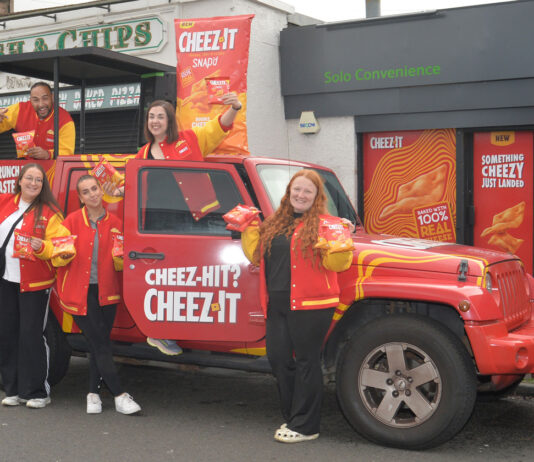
[410, 184]
[502, 192]
[212, 58]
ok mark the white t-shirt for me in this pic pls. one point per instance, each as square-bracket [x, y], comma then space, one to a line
[12, 272]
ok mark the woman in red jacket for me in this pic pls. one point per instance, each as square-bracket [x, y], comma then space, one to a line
[299, 295]
[88, 288]
[166, 142]
[24, 287]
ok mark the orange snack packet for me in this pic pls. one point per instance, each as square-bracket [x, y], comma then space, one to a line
[334, 235]
[104, 172]
[64, 246]
[22, 248]
[240, 217]
[216, 87]
[118, 245]
[23, 141]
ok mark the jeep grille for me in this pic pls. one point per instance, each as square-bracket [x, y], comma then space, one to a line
[513, 289]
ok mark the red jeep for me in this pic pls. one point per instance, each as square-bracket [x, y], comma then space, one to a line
[422, 324]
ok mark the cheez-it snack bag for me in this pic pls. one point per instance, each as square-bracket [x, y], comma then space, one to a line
[118, 245]
[334, 235]
[23, 142]
[64, 246]
[216, 87]
[22, 248]
[240, 217]
[104, 172]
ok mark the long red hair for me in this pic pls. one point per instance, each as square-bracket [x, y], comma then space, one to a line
[283, 220]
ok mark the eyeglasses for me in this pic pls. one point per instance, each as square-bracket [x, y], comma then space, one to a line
[31, 179]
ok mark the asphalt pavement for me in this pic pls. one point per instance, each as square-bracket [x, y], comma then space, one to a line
[200, 414]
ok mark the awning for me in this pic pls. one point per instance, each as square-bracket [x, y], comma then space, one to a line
[80, 66]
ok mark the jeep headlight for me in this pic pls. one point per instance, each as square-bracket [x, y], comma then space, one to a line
[487, 282]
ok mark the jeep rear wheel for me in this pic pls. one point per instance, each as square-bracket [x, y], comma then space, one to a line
[406, 381]
[59, 349]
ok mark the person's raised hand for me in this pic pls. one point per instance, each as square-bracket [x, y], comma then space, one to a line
[111, 189]
[231, 99]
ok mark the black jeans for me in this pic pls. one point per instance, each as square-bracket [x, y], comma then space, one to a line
[96, 325]
[294, 343]
[24, 353]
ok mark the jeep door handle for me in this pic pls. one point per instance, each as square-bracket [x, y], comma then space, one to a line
[134, 255]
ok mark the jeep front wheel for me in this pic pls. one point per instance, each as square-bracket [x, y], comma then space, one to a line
[406, 381]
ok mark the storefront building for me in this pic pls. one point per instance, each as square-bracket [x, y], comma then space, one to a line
[441, 108]
[145, 28]
[427, 119]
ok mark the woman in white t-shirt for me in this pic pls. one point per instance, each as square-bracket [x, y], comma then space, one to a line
[24, 287]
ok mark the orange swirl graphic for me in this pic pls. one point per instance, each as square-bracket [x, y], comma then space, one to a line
[420, 173]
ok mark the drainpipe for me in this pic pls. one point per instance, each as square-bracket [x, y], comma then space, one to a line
[372, 8]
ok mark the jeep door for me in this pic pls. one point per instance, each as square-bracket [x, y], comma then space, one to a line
[185, 275]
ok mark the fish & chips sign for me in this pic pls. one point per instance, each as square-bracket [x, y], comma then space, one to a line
[140, 35]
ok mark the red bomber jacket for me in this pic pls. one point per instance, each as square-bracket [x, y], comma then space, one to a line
[73, 278]
[38, 274]
[312, 286]
[21, 117]
[192, 144]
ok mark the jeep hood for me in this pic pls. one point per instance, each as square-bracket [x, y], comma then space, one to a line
[421, 255]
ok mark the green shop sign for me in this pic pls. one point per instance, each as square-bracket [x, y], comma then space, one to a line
[147, 34]
[366, 75]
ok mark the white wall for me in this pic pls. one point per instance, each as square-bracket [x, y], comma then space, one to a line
[334, 147]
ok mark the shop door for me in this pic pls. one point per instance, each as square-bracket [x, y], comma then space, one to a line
[502, 192]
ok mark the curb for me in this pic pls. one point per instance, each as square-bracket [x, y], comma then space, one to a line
[525, 389]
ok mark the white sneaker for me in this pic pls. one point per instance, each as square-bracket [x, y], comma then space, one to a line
[94, 404]
[11, 401]
[167, 347]
[126, 405]
[38, 403]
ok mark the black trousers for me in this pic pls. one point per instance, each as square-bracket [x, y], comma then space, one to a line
[24, 353]
[96, 326]
[294, 343]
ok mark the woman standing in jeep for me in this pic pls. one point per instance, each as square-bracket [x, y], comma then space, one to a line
[299, 293]
[165, 142]
[88, 288]
[34, 212]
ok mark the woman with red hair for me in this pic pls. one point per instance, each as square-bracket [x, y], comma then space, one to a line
[299, 294]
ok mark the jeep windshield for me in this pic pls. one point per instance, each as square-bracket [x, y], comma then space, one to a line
[276, 177]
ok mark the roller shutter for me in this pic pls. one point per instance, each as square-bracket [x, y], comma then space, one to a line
[105, 132]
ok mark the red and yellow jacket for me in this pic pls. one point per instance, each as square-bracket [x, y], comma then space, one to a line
[192, 144]
[21, 117]
[38, 274]
[313, 286]
[73, 277]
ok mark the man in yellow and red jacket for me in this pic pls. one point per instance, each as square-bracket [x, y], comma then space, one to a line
[38, 114]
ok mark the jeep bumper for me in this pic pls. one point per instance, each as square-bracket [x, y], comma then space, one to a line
[499, 351]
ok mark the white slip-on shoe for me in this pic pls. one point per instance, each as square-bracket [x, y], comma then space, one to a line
[11, 401]
[94, 403]
[38, 403]
[126, 405]
[285, 435]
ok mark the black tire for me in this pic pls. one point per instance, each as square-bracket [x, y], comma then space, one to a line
[60, 350]
[427, 396]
